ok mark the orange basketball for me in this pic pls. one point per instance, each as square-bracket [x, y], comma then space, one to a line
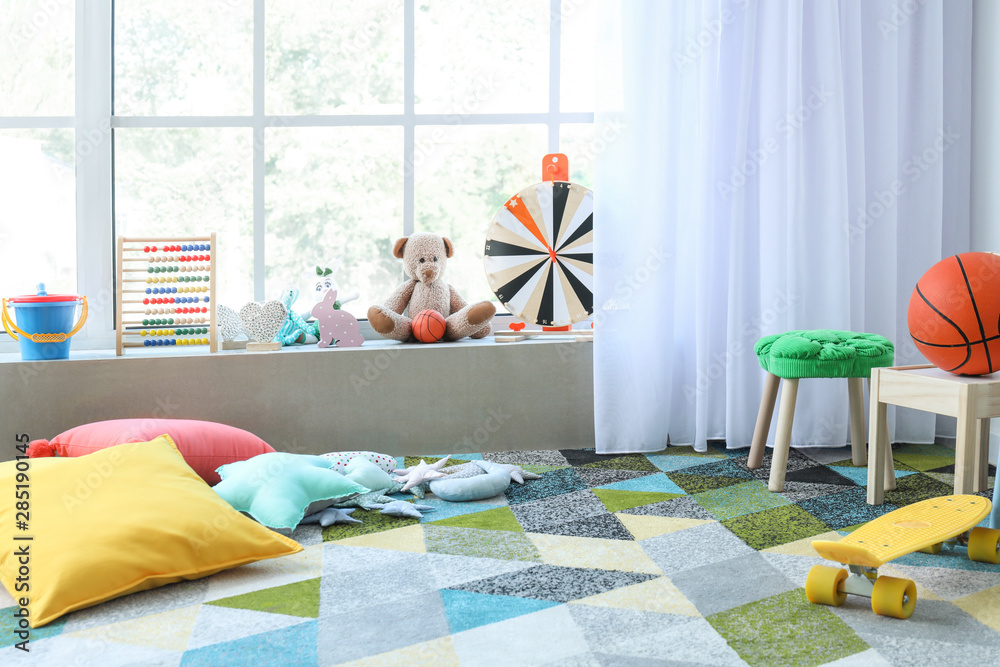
[428, 326]
[954, 314]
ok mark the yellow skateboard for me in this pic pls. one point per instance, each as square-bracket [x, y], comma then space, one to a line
[923, 526]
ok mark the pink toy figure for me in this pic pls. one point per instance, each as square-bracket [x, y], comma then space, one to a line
[336, 326]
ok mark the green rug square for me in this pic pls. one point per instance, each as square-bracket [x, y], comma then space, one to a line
[917, 487]
[924, 450]
[374, 522]
[693, 484]
[298, 599]
[480, 543]
[616, 500]
[778, 525]
[924, 463]
[739, 499]
[688, 450]
[637, 462]
[787, 630]
[500, 518]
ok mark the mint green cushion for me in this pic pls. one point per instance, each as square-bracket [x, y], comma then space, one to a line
[278, 489]
[823, 353]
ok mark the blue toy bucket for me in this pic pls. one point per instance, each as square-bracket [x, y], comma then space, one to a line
[44, 323]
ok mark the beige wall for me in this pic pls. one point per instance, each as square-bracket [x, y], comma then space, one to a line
[463, 397]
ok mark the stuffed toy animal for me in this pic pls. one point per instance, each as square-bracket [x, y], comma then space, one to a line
[424, 258]
[295, 329]
[324, 280]
[336, 325]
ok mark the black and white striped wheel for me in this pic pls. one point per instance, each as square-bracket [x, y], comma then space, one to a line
[539, 254]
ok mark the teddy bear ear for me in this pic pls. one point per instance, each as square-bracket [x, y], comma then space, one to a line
[448, 248]
[397, 249]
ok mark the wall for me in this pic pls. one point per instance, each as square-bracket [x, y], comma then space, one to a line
[469, 396]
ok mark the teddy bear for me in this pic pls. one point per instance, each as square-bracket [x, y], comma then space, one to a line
[425, 257]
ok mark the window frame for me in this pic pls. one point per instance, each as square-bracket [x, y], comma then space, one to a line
[95, 124]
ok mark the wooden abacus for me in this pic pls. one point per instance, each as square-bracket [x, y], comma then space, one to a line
[166, 292]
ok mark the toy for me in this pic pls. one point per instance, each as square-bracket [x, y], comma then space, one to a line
[539, 254]
[471, 469]
[921, 526]
[262, 320]
[428, 326]
[424, 258]
[172, 280]
[336, 326]
[421, 472]
[230, 326]
[330, 516]
[295, 329]
[278, 489]
[402, 508]
[363, 500]
[954, 314]
[367, 474]
[324, 281]
[494, 482]
[341, 459]
[53, 314]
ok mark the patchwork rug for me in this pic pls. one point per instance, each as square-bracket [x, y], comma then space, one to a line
[662, 559]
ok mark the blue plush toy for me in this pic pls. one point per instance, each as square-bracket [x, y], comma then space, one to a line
[295, 328]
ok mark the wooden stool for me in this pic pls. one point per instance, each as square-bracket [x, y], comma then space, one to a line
[971, 400]
[821, 353]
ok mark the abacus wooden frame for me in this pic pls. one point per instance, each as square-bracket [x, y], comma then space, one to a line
[120, 344]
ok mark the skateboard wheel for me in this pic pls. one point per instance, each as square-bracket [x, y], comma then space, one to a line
[932, 549]
[894, 597]
[984, 545]
[823, 585]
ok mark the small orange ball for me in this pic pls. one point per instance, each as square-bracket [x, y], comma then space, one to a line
[428, 326]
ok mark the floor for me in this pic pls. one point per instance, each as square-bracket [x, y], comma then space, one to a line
[663, 559]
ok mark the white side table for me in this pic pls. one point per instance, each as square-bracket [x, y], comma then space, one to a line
[972, 400]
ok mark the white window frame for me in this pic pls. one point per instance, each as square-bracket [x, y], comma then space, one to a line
[95, 124]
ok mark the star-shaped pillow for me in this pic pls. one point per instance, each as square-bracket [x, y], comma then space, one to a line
[278, 489]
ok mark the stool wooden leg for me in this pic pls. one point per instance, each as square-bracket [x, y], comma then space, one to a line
[763, 421]
[856, 399]
[783, 436]
[983, 460]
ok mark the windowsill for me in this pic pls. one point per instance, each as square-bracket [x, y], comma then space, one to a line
[381, 345]
[398, 398]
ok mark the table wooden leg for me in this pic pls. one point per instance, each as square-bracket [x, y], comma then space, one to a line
[856, 400]
[965, 440]
[878, 443]
[877, 417]
[763, 421]
[889, 471]
[983, 458]
[783, 435]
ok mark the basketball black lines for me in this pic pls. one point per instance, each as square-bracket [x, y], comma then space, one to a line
[975, 309]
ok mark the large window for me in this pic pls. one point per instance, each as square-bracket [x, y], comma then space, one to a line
[37, 185]
[301, 132]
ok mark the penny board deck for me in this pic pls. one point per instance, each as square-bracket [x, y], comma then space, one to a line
[906, 530]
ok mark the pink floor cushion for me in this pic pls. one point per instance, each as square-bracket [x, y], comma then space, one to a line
[204, 445]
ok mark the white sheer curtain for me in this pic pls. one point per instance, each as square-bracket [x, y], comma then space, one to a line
[767, 166]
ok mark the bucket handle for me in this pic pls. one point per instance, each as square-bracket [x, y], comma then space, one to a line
[8, 324]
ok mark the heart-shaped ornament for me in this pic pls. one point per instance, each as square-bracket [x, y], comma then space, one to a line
[229, 323]
[516, 326]
[263, 320]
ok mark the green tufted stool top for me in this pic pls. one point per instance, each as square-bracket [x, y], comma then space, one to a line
[819, 353]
